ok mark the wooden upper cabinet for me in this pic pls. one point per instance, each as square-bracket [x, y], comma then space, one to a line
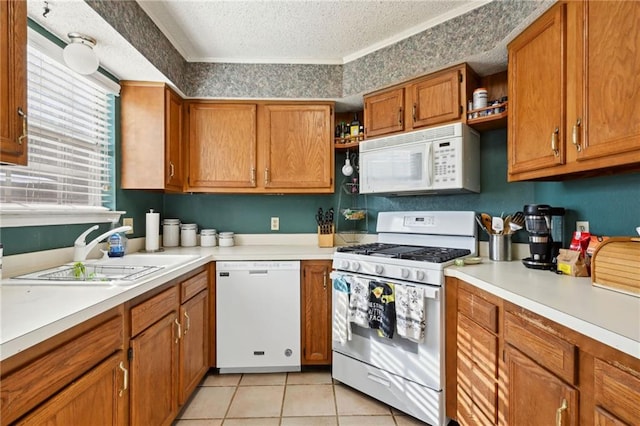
[152, 133]
[384, 112]
[297, 148]
[436, 99]
[573, 92]
[610, 83]
[260, 147]
[13, 82]
[537, 90]
[222, 147]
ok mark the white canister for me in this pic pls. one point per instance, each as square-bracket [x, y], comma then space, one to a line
[208, 238]
[225, 239]
[188, 234]
[171, 232]
[480, 96]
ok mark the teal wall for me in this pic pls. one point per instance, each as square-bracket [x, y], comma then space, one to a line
[610, 203]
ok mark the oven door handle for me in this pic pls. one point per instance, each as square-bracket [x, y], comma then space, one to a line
[430, 291]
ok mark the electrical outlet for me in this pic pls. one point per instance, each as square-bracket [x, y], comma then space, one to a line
[128, 221]
[275, 223]
[582, 226]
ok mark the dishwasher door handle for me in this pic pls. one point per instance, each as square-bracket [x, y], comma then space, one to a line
[258, 272]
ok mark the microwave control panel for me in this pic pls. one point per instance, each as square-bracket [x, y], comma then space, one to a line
[445, 162]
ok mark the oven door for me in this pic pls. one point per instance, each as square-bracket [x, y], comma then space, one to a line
[397, 169]
[418, 362]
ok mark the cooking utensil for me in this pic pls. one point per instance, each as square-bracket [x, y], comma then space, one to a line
[486, 220]
[514, 227]
[505, 226]
[484, 228]
[518, 219]
[497, 224]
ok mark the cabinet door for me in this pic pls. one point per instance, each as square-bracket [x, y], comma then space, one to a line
[154, 379]
[173, 144]
[222, 146]
[537, 93]
[611, 86]
[194, 345]
[13, 81]
[537, 397]
[298, 148]
[436, 99]
[99, 397]
[316, 312]
[384, 113]
[616, 393]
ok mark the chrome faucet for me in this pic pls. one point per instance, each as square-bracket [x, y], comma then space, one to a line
[81, 248]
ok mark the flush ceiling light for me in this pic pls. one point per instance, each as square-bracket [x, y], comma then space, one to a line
[79, 54]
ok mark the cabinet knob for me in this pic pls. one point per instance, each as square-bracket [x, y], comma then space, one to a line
[554, 142]
[575, 136]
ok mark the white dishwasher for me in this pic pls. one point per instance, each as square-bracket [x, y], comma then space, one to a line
[258, 316]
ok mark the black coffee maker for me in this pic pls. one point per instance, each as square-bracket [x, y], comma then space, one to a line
[545, 225]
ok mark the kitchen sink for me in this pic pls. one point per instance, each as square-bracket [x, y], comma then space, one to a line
[122, 271]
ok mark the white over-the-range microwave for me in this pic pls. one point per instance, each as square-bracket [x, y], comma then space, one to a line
[438, 160]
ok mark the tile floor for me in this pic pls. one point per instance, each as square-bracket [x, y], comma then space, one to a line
[284, 399]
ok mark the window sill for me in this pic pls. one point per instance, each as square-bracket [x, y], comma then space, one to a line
[19, 216]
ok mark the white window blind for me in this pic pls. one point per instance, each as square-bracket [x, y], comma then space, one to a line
[70, 134]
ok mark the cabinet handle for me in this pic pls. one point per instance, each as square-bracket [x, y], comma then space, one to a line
[172, 169]
[324, 280]
[188, 326]
[554, 142]
[253, 176]
[179, 330]
[562, 408]
[266, 176]
[415, 110]
[399, 115]
[24, 126]
[576, 135]
[125, 380]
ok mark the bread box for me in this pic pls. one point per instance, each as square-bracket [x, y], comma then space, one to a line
[616, 265]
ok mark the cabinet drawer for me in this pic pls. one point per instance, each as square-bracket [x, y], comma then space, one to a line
[40, 379]
[617, 391]
[193, 286]
[150, 311]
[549, 350]
[480, 310]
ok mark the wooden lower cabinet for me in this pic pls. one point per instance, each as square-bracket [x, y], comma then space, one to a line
[97, 398]
[170, 355]
[315, 297]
[536, 396]
[509, 366]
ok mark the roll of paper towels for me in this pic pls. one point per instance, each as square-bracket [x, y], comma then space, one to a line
[152, 237]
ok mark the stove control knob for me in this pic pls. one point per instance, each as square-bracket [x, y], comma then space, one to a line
[379, 269]
[355, 266]
[404, 272]
[420, 275]
[344, 264]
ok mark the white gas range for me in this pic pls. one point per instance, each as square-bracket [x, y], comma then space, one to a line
[402, 369]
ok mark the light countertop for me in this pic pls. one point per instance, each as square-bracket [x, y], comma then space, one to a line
[604, 315]
[31, 314]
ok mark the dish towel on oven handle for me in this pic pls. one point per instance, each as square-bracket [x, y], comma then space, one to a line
[410, 312]
[382, 308]
[341, 328]
[359, 302]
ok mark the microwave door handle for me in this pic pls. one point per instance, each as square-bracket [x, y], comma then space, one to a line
[429, 165]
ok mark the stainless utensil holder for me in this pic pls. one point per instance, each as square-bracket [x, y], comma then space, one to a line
[500, 247]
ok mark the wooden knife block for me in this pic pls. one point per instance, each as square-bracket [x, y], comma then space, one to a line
[326, 239]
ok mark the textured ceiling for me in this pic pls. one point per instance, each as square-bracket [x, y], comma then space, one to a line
[302, 31]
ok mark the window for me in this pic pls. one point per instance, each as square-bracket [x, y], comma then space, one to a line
[71, 144]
